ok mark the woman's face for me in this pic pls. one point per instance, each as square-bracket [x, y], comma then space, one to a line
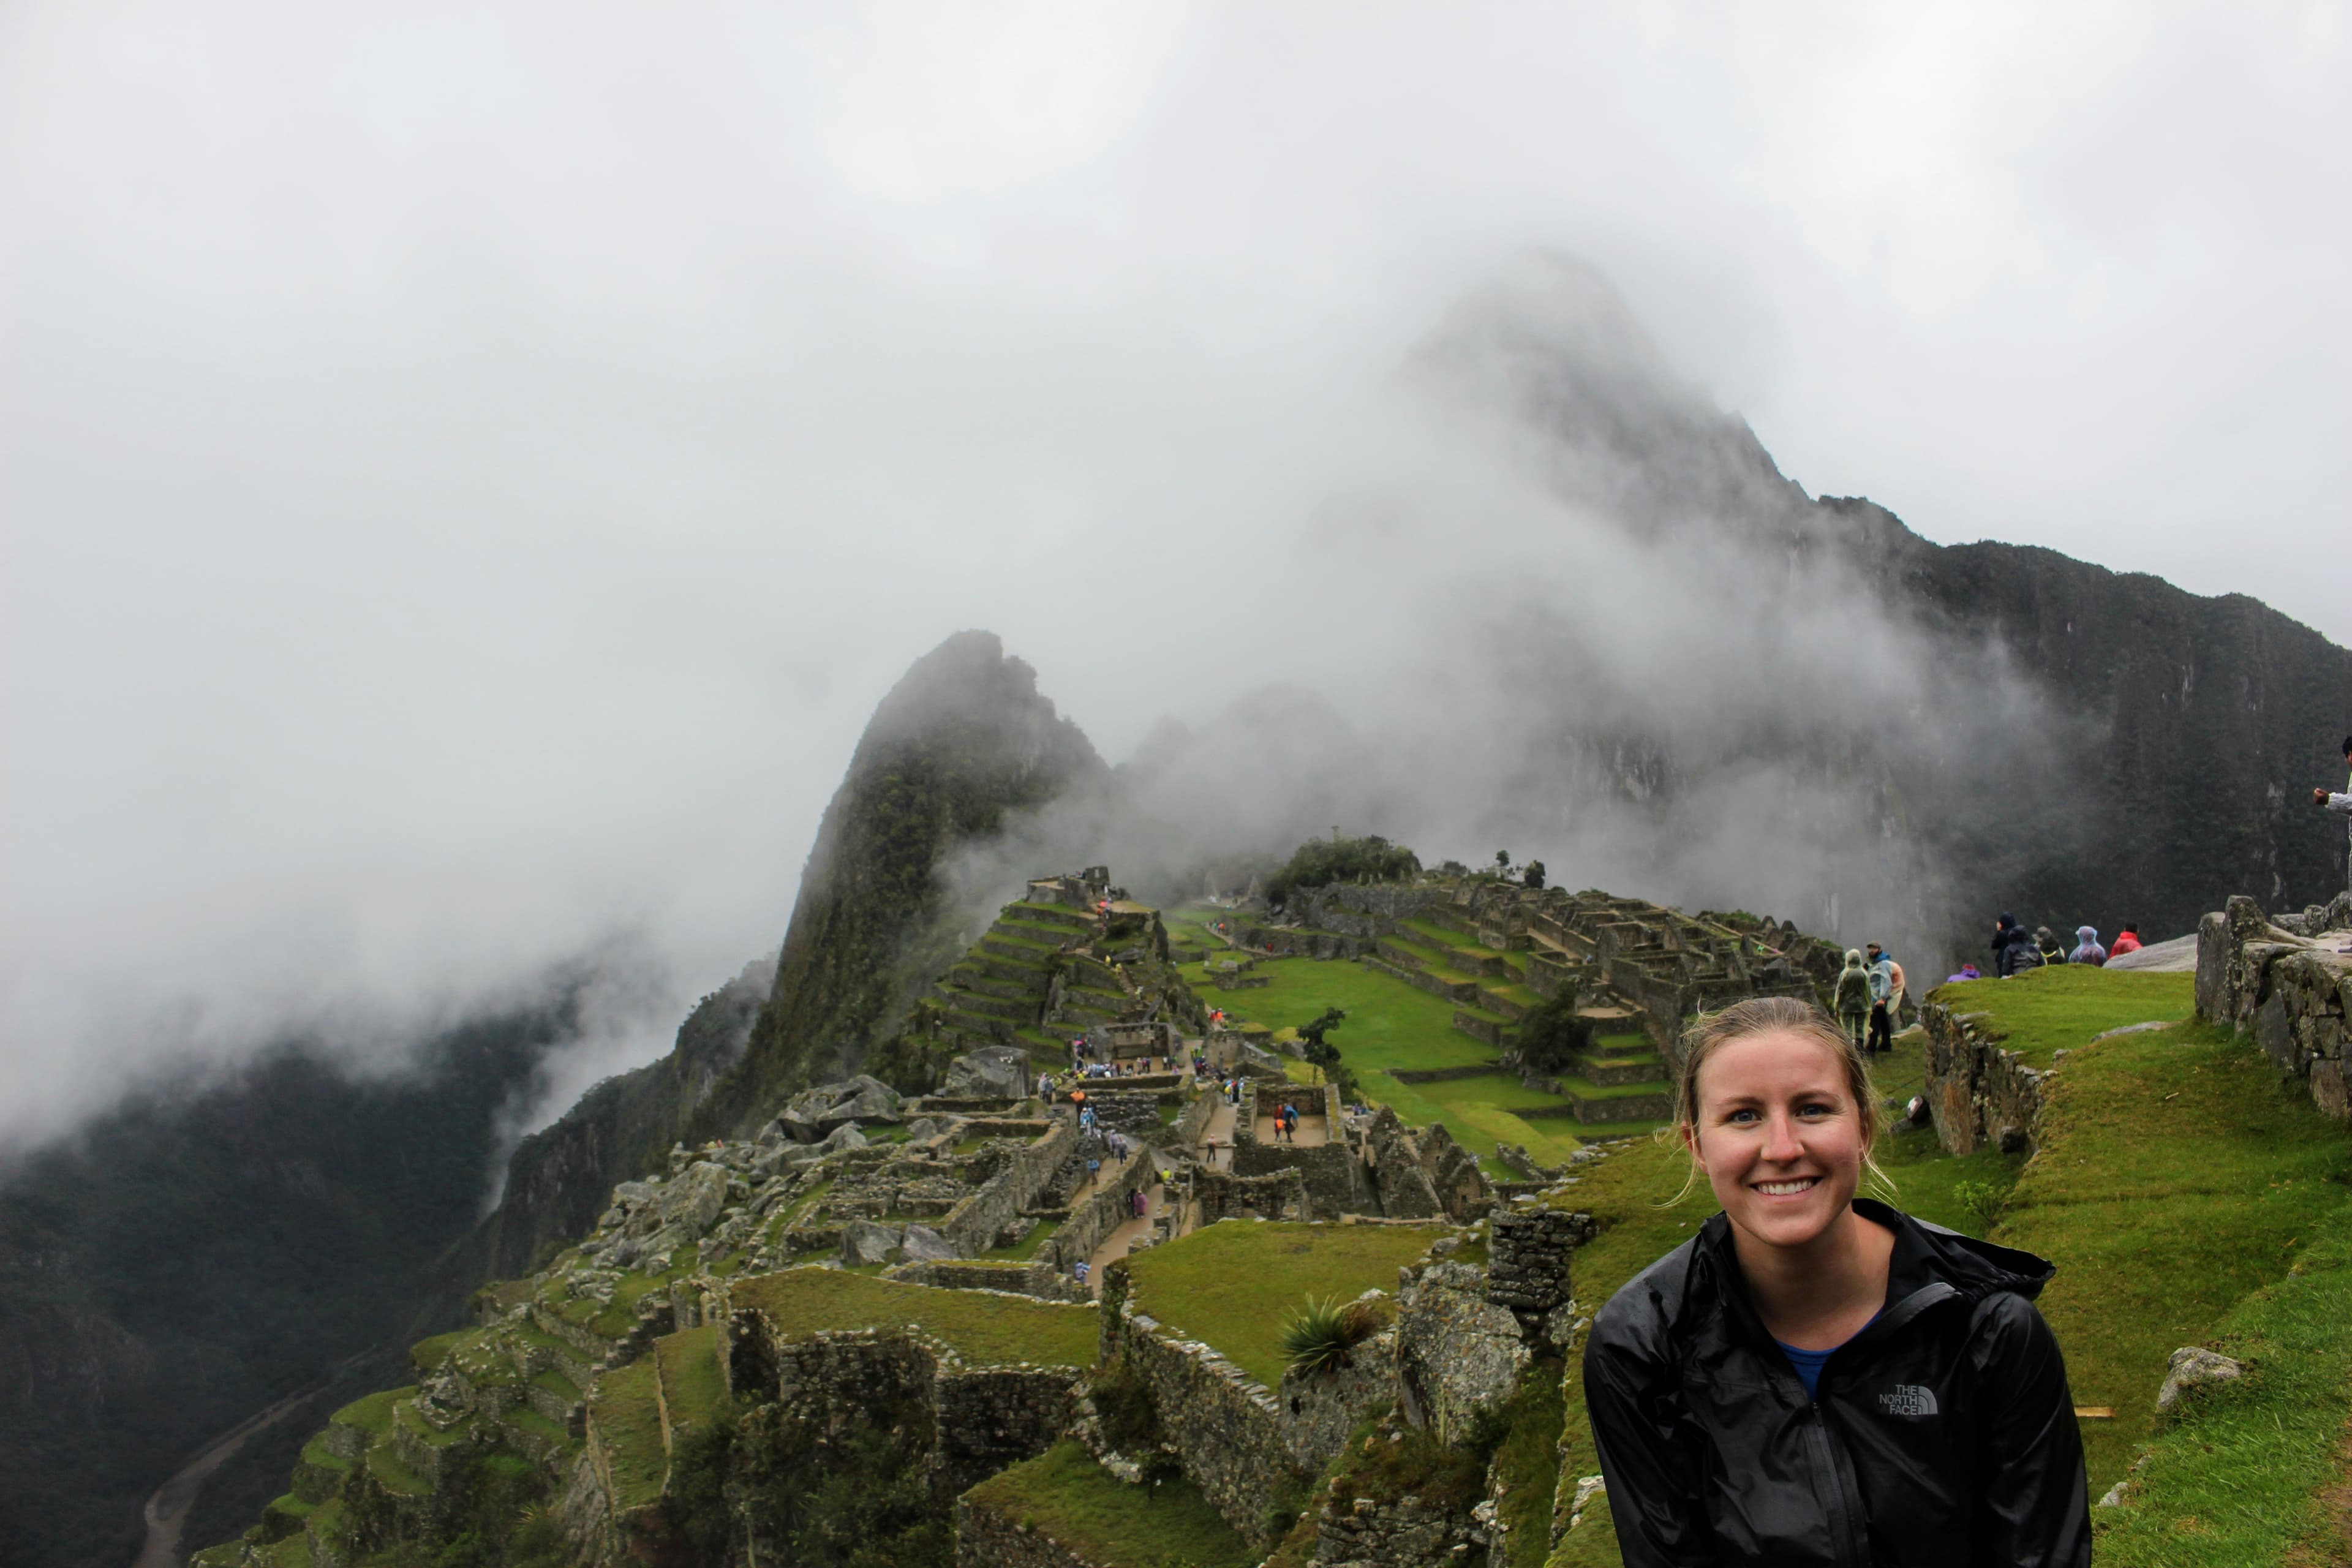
[1778, 1135]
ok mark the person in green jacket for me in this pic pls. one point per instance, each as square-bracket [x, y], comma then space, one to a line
[1852, 998]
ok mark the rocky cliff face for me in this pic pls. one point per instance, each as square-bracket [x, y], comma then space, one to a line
[1836, 709]
[198, 1253]
[963, 740]
[558, 1178]
[2200, 725]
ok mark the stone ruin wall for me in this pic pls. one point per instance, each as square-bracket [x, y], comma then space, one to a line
[1277, 1195]
[1225, 1425]
[1036, 1279]
[2271, 978]
[1331, 1174]
[982, 1419]
[986, 1538]
[973, 1225]
[1980, 1095]
[1531, 1253]
[1076, 1238]
[1242, 1443]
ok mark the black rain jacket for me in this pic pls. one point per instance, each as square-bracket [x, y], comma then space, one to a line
[1944, 1435]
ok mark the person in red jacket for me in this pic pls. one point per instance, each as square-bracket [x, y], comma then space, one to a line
[2127, 941]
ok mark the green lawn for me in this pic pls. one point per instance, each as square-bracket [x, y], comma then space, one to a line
[690, 1377]
[629, 1421]
[2177, 1175]
[986, 1330]
[1234, 1284]
[1082, 1508]
[2243, 1474]
[2061, 1006]
[1393, 1025]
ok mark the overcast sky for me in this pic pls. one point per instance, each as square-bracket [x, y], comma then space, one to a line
[468, 471]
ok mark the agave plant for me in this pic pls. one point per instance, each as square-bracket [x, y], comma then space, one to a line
[1320, 1334]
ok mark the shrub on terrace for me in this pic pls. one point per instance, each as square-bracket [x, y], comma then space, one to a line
[1319, 862]
[1320, 1336]
[1552, 1036]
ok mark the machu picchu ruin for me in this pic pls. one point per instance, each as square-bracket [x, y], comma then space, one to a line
[1059, 1262]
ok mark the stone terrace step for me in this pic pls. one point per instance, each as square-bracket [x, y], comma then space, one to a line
[1046, 914]
[1019, 1011]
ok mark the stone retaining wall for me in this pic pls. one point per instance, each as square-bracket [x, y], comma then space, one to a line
[1225, 1426]
[1529, 1253]
[1278, 1195]
[1444, 1075]
[995, 1418]
[1980, 1095]
[1393, 1532]
[1036, 1279]
[986, 1538]
[2285, 981]
[982, 1418]
[1103, 1211]
[977, 1223]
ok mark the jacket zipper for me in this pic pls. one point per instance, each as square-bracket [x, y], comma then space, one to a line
[1847, 1512]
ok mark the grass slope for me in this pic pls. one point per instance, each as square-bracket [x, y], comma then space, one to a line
[2047, 1010]
[2177, 1175]
[1079, 1506]
[2253, 1471]
[1233, 1285]
[986, 1330]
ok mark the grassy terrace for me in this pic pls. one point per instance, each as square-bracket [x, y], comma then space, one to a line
[1078, 1505]
[984, 1330]
[628, 1418]
[2186, 1196]
[2177, 1176]
[2046, 1010]
[1393, 1025]
[689, 1372]
[1234, 1285]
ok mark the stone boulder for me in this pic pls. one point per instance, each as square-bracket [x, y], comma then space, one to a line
[863, 1241]
[921, 1244]
[993, 1072]
[1459, 1357]
[846, 1136]
[691, 1201]
[812, 1113]
[2193, 1369]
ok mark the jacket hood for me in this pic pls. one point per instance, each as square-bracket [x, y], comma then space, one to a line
[2086, 933]
[1853, 958]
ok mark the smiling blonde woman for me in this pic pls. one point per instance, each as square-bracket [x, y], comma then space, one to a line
[1818, 1378]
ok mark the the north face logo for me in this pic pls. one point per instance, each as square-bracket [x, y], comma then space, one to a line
[1909, 1399]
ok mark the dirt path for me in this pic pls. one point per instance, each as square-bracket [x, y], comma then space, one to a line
[167, 1509]
[1218, 1137]
[1116, 1245]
